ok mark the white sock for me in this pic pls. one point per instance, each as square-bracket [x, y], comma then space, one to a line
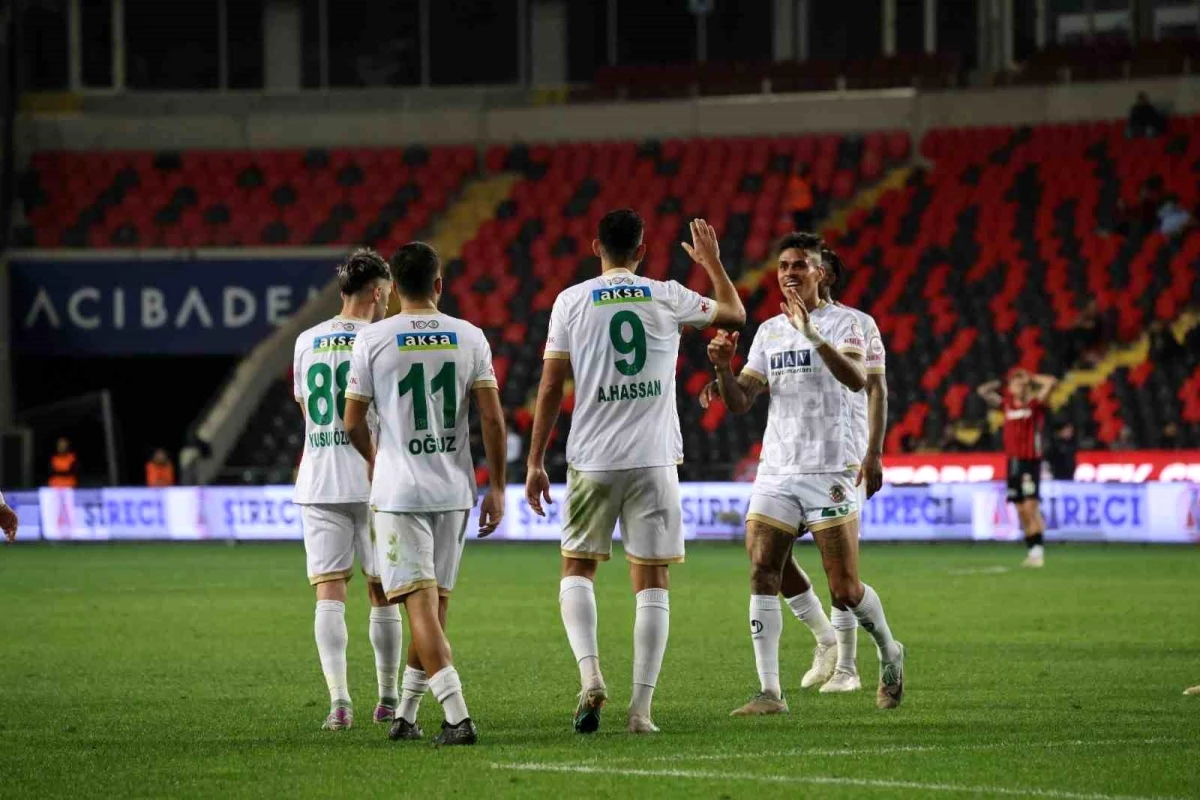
[386, 637]
[870, 616]
[651, 624]
[766, 625]
[330, 630]
[412, 689]
[577, 600]
[447, 688]
[845, 625]
[807, 608]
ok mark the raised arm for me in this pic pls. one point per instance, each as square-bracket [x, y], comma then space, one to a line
[495, 445]
[1043, 385]
[706, 251]
[739, 393]
[990, 392]
[555, 372]
[847, 367]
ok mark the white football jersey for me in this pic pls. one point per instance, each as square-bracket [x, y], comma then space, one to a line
[418, 371]
[331, 470]
[621, 334]
[810, 423]
[876, 363]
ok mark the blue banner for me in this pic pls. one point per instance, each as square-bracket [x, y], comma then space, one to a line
[211, 306]
[1149, 512]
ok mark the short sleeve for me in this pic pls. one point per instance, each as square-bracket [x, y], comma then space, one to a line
[2, 499]
[484, 375]
[756, 361]
[558, 339]
[690, 308]
[876, 355]
[297, 376]
[361, 383]
[847, 336]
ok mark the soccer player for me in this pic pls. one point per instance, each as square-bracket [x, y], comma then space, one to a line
[332, 490]
[619, 334]
[421, 369]
[1024, 404]
[810, 358]
[835, 656]
[869, 412]
[8, 520]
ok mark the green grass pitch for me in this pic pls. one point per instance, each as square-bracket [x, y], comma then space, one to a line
[155, 670]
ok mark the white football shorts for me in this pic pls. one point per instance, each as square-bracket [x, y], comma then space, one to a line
[333, 534]
[645, 500]
[417, 550]
[819, 500]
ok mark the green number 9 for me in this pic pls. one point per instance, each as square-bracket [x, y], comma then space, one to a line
[632, 344]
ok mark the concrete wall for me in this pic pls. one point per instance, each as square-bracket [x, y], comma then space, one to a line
[261, 121]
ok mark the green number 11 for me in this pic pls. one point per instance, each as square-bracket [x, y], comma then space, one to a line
[444, 382]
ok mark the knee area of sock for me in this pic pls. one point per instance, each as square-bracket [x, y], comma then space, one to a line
[653, 598]
[573, 583]
[385, 614]
[331, 606]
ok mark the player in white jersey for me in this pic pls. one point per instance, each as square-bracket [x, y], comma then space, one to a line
[619, 334]
[420, 369]
[810, 358]
[869, 416]
[332, 490]
[8, 520]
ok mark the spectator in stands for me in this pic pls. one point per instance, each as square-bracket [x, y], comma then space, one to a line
[8, 520]
[1164, 347]
[1145, 120]
[1088, 335]
[1169, 438]
[64, 466]
[1062, 451]
[1124, 440]
[799, 199]
[1173, 218]
[159, 469]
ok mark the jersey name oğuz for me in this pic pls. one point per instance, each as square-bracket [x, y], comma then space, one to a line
[621, 334]
[810, 421]
[418, 371]
[331, 470]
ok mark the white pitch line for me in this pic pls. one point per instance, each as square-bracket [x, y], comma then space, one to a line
[796, 752]
[995, 570]
[825, 780]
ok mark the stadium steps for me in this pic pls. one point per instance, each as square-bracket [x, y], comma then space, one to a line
[866, 198]
[1128, 356]
[838, 221]
[459, 223]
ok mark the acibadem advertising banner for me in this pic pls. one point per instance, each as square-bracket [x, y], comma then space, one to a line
[1150, 512]
[109, 306]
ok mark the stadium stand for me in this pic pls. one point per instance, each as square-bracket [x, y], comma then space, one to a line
[232, 198]
[960, 295]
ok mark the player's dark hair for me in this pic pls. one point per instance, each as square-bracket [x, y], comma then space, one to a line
[805, 242]
[416, 267]
[360, 269]
[620, 234]
[833, 265]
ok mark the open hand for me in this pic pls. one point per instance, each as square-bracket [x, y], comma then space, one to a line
[537, 489]
[797, 313]
[491, 511]
[871, 471]
[704, 249]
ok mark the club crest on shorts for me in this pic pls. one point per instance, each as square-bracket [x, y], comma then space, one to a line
[837, 494]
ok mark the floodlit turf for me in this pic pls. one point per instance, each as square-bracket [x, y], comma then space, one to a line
[190, 671]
